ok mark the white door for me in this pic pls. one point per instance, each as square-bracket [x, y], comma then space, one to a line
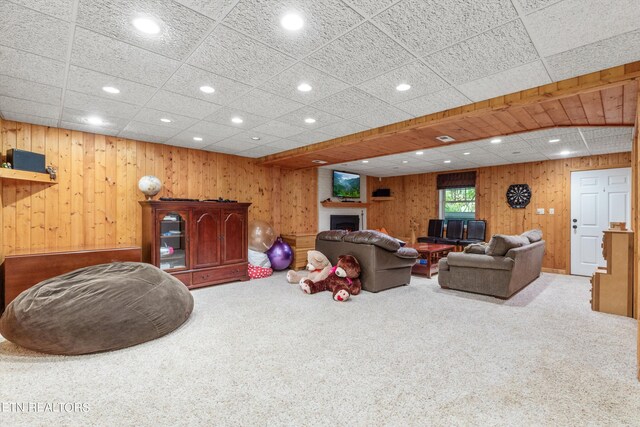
[597, 198]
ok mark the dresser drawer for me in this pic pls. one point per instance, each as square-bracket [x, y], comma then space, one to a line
[219, 273]
[183, 277]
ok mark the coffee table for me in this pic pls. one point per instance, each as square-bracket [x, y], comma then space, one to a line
[431, 252]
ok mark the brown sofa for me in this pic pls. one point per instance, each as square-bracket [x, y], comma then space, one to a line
[384, 262]
[498, 276]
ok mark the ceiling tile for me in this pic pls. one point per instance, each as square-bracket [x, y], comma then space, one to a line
[223, 150]
[548, 133]
[181, 28]
[140, 128]
[246, 137]
[349, 103]
[265, 104]
[279, 129]
[99, 106]
[578, 153]
[148, 115]
[26, 29]
[22, 106]
[516, 79]
[600, 132]
[188, 80]
[430, 25]
[185, 139]
[597, 56]
[529, 6]
[27, 66]
[236, 56]
[310, 137]
[435, 102]
[422, 79]
[142, 137]
[342, 128]
[111, 126]
[360, 55]
[297, 118]
[573, 23]
[213, 132]
[224, 116]
[182, 105]
[89, 128]
[116, 58]
[543, 142]
[235, 145]
[496, 50]
[31, 91]
[61, 9]
[286, 144]
[214, 9]
[369, 7]
[382, 116]
[263, 150]
[286, 84]
[92, 82]
[26, 118]
[323, 21]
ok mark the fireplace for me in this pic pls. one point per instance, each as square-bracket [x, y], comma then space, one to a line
[345, 222]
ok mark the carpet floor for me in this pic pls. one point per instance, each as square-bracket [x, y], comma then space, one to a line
[265, 353]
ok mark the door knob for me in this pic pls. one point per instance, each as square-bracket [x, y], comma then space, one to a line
[575, 220]
[575, 227]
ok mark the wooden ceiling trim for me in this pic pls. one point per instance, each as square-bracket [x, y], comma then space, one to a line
[602, 98]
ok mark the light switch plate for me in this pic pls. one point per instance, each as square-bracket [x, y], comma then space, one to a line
[552, 211]
[540, 211]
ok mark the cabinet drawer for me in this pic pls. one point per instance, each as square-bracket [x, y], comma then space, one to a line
[183, 277]
[219, 273]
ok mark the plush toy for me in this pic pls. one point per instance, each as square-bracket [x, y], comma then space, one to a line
[343, 281]
[318, 267]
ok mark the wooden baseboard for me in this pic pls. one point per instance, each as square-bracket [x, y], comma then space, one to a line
[553, 270]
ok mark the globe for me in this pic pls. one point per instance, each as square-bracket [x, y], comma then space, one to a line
[150, 185]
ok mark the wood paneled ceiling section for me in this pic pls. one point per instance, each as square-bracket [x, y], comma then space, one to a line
[605, 98]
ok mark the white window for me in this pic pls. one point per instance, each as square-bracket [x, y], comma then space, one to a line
[458, 203]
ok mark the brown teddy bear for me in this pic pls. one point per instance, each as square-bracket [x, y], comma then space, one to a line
[318, 266]
[342, 282]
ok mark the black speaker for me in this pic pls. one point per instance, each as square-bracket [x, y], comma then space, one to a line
[26, 160]
[382, 192]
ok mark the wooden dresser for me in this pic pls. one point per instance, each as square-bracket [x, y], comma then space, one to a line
[300, 244]
[612, 287]
[20, 271]
[200, 243]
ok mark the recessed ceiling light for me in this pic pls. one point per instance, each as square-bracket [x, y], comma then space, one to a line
[237, 120]
[96, 121]
[402, 87]
[419, 153]
[496, 141]
[447, 161]
[466, 154]
[255, 138]
[445, 138]
[565, 153]
[165, 120]
[197, 138]
[304, 87]
[365, 161]
[110, 89]
[292, 22]
[554, 140]
[319, 162]
[405, 161]
[146, 25]
[309, 120]
[207, 89]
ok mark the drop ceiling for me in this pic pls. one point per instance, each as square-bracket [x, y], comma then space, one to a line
[57, 55]
[547, 144]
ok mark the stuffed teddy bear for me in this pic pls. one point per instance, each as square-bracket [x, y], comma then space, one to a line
[342, 282]
[318, 266]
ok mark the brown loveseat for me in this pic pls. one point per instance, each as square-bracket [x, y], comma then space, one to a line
[493, 273]
[384, 262]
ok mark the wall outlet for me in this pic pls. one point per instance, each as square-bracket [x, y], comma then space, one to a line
[552, 211]
[540, 211]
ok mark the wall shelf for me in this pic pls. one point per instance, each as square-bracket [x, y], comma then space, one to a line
[349, 205]
[25, 176]
[382, 199]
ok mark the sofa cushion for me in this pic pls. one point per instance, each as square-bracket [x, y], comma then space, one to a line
[476, 248]
[332, 235]
[533, 235]
[458, 259]
[406, 252]
[500, 244]
[372, 237]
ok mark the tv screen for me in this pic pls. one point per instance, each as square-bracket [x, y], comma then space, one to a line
[346, 184]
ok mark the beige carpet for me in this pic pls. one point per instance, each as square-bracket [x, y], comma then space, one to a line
[264, 353]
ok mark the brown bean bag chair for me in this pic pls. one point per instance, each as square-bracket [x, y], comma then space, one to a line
[98, 308]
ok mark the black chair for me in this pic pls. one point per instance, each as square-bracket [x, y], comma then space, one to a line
[434, 231]
[455, 231]
[476, 232]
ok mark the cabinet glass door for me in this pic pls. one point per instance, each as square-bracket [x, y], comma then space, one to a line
[173, 240]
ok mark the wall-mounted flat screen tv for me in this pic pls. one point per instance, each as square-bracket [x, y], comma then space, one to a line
[346, 185]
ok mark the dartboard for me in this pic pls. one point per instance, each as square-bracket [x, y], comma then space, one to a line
[518, 196]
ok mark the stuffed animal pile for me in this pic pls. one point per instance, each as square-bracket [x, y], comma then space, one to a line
[318, 267]
[343, 280]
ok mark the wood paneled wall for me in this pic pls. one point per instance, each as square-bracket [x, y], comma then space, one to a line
[96, 199]
[416, 196]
